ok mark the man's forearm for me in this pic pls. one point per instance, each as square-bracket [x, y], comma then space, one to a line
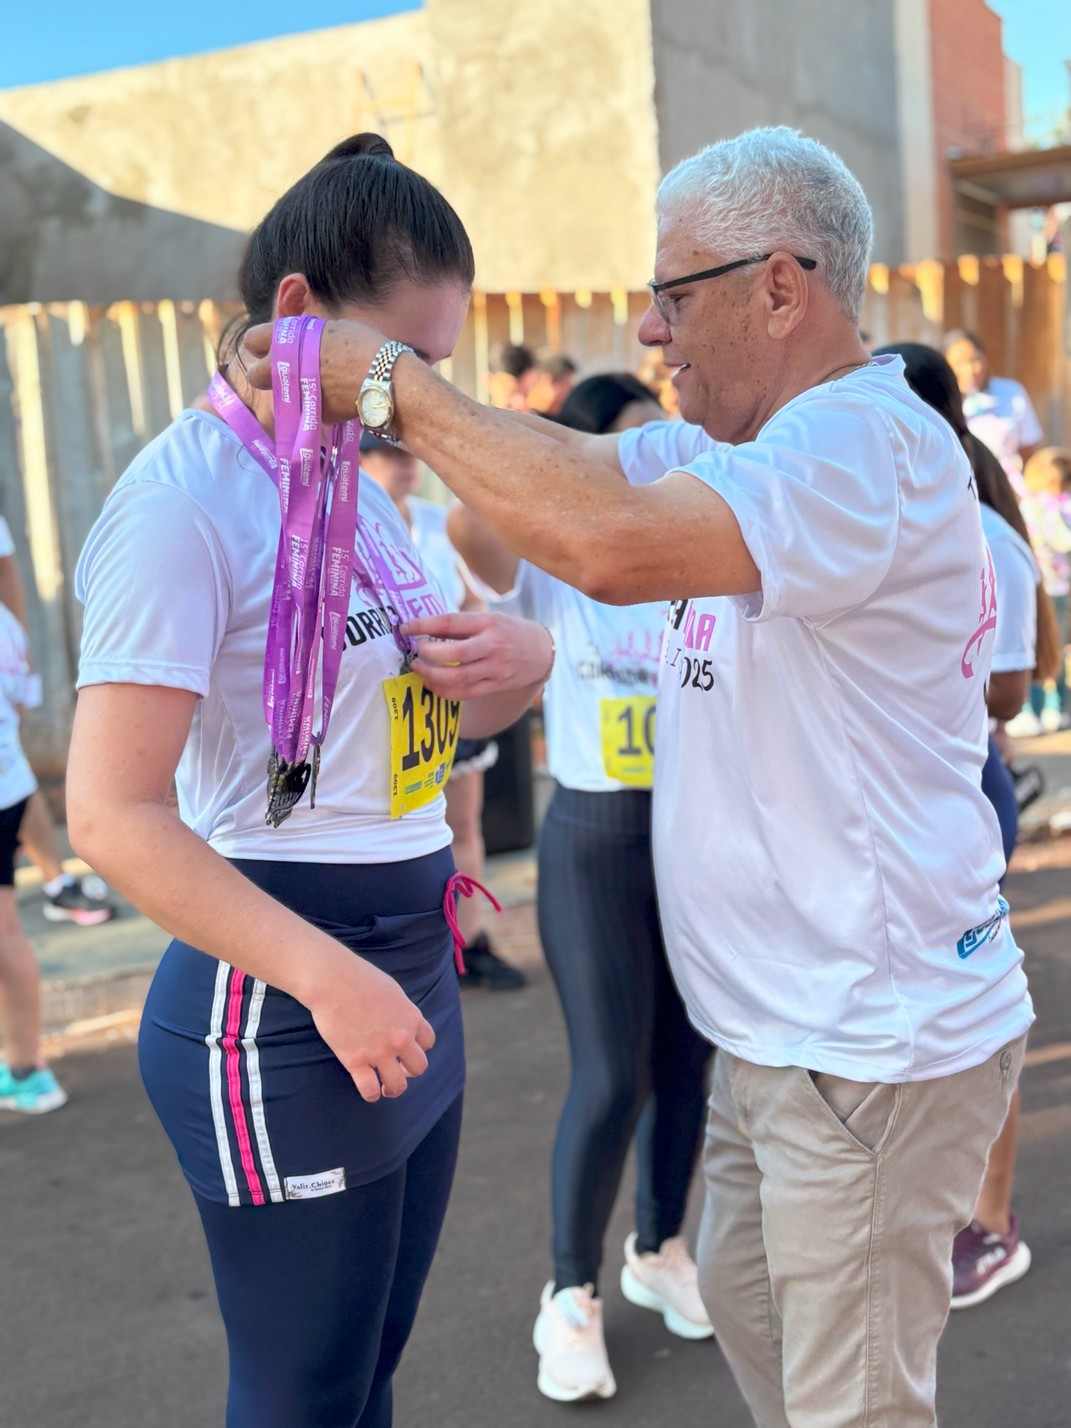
[488, 461]
[600, 445]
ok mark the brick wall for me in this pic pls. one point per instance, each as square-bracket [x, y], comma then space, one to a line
[969, 110]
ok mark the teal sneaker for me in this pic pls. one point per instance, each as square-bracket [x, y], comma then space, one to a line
[34, 1095]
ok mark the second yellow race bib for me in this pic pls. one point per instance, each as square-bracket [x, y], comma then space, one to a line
[423, 737]
[628, 731]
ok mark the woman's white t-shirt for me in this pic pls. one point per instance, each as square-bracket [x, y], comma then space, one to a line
[1015, 638]
[437, 554]
[827, 863]
[599, 702]
[176, 577]
[1003, 417]
[18, 688]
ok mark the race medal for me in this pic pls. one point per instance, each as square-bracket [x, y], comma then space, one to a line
[317, 479]
[424, 731]
[315, 773]
[627, 729]
[286, 784]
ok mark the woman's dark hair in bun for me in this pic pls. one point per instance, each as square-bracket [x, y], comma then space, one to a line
[355, 225]
[357, 144]
[596, 403]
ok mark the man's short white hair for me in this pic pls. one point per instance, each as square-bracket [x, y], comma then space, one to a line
[770, 189]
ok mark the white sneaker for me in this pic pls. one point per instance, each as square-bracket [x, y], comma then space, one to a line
[1025, 725]
[568, 1337]
[668, 1282]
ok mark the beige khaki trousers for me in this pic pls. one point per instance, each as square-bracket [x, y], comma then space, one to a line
[825, 1254]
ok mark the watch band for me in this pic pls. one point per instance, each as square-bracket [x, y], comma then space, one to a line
[379, 373]
[384, 360]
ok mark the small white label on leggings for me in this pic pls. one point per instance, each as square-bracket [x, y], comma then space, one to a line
[311, 1187]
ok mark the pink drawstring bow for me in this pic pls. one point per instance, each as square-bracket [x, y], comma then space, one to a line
[461, 886]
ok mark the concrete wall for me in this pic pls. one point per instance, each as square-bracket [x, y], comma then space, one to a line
[550, 148]
[828, 69]
[919, 176]
[216, 138]
[536, 121]
[546, 125]
[220, 136]
[63, 236]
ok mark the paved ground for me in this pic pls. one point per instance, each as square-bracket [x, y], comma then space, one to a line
[106, 1298]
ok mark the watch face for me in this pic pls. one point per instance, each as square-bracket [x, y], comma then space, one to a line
[375, 407]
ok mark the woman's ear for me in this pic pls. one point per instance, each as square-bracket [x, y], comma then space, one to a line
[294, 297]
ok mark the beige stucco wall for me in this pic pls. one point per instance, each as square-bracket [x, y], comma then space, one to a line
[547, 145]
[219, 136]
[550, 139]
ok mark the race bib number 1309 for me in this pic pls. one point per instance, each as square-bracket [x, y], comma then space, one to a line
[423, 737]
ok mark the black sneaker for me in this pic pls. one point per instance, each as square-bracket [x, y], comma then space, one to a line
[485, 968]
[1029, 784]
[74, 904]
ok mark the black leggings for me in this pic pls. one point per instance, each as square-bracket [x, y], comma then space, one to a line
[319, 1296]
[637, 1064]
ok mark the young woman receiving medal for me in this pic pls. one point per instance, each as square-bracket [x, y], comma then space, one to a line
[255, 628]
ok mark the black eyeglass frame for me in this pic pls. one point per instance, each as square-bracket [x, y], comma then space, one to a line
[808, 264]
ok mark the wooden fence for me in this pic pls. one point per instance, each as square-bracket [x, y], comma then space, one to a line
[83, 389]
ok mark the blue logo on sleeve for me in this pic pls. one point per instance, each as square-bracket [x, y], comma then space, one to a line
[972, 940]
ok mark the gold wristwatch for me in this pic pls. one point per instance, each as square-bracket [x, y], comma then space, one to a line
[375, 400]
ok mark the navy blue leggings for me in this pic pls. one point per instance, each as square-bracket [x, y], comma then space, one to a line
[998, 788]
[638, 1066]
[318, 1296]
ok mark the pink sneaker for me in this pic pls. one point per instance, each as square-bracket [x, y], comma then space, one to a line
[668, 1283]
[568, 1337]
[983, 1262]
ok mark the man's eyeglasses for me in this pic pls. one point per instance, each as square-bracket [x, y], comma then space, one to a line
[667, 306]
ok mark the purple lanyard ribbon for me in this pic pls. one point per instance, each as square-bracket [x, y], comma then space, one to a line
[314, 565]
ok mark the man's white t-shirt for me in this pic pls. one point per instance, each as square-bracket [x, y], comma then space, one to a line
[7, 545]
[826, 861]
[1003, 417]
[1015, 638]
[176, 577]
[18, 687]
[598, 704]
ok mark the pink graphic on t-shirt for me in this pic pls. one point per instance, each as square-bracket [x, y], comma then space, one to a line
[698, 630]
[413, 588]
[644, 646]
[987, 618]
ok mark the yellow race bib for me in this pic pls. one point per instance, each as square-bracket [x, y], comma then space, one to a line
[628, 731]
[424, 730]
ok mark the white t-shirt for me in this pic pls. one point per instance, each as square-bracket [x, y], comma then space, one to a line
[7, 545]
[17, 687]
[605, 670]
[826, 861]
[1015, 639]
[176, 577]
[1003, 417]
[437, 554]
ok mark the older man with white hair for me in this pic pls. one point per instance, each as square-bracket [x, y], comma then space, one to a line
[827, 864]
